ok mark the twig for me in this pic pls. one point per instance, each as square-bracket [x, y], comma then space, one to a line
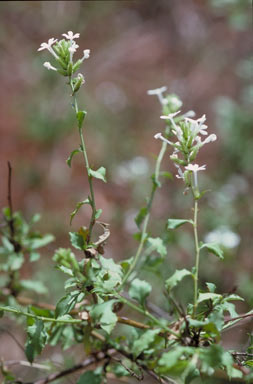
[242, 316]
[85, 364]
[9, 363]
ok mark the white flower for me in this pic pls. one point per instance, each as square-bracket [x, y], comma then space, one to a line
[195, 168]
[159, 136]
[73, 47]
[80, 77]
[210, 138]
[197, 126]
[70, 35]
[49, 66]
[48, 46]
[86, 54]
[159, 93]
[180, 172]
[170, 116]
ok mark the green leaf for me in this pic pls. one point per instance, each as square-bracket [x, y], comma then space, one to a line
[90, 377]
[98, 213]
[143, 342]
[69, 159]
[211, 287]
[109, 277]
[78, 206]
[213, 248]
[34, 256]
[36, 286]
[209, 296]
[141, 216]
[177, 276]
[80, 118]
[175, 223]
[15, 261]
[66, 304]
[38, 242]
[99, 174]
[139, 290]
[36, 340]
[158, 245]
[103, 314]
[77, 240]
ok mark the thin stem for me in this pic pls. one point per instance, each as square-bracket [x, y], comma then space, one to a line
[86, 162]
[146, 220]
[147, 314]
[196, 274]
[46, 319]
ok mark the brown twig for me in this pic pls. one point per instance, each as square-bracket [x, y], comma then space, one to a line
[242, 316]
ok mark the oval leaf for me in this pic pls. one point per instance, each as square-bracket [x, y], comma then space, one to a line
[175, 223]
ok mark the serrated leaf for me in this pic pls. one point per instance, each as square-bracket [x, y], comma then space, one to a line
[77, 240]
[99, 174]
[90, 377]
[78, 206]
[175, 223]
[213, 248]
[69, 159]
[177, 276]
[144, 341]
[158, 245]
[139, 290]
[80, 118]
[104, 315]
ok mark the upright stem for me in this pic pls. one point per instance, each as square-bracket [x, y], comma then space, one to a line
[86, 162]
[195, 227]
[146, 220]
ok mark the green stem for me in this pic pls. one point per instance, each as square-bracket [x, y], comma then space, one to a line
[48, 319]
[86, 162]
[147, 314]
[196, 275]
[146, 220]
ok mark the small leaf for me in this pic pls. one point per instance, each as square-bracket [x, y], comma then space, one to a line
[90, 377]
[209, 296]
[175, 223]
[141, 216]
[103, 313]
[176, 278]
[211, 287]
[158, 245]
[98, 213]
[213, 248]
[80, 118]
[78, 206]
[34, 256]
[65, 305]
[143, 342]
[39, 242]
[36, 340]
[139, 290]
[69, 159]
[77, 240]
[99, 174]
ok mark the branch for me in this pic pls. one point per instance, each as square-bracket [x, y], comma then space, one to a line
[85, 364]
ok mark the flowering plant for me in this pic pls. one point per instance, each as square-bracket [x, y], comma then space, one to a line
[181, 346]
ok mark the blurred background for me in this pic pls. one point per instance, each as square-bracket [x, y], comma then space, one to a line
[202, 51]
